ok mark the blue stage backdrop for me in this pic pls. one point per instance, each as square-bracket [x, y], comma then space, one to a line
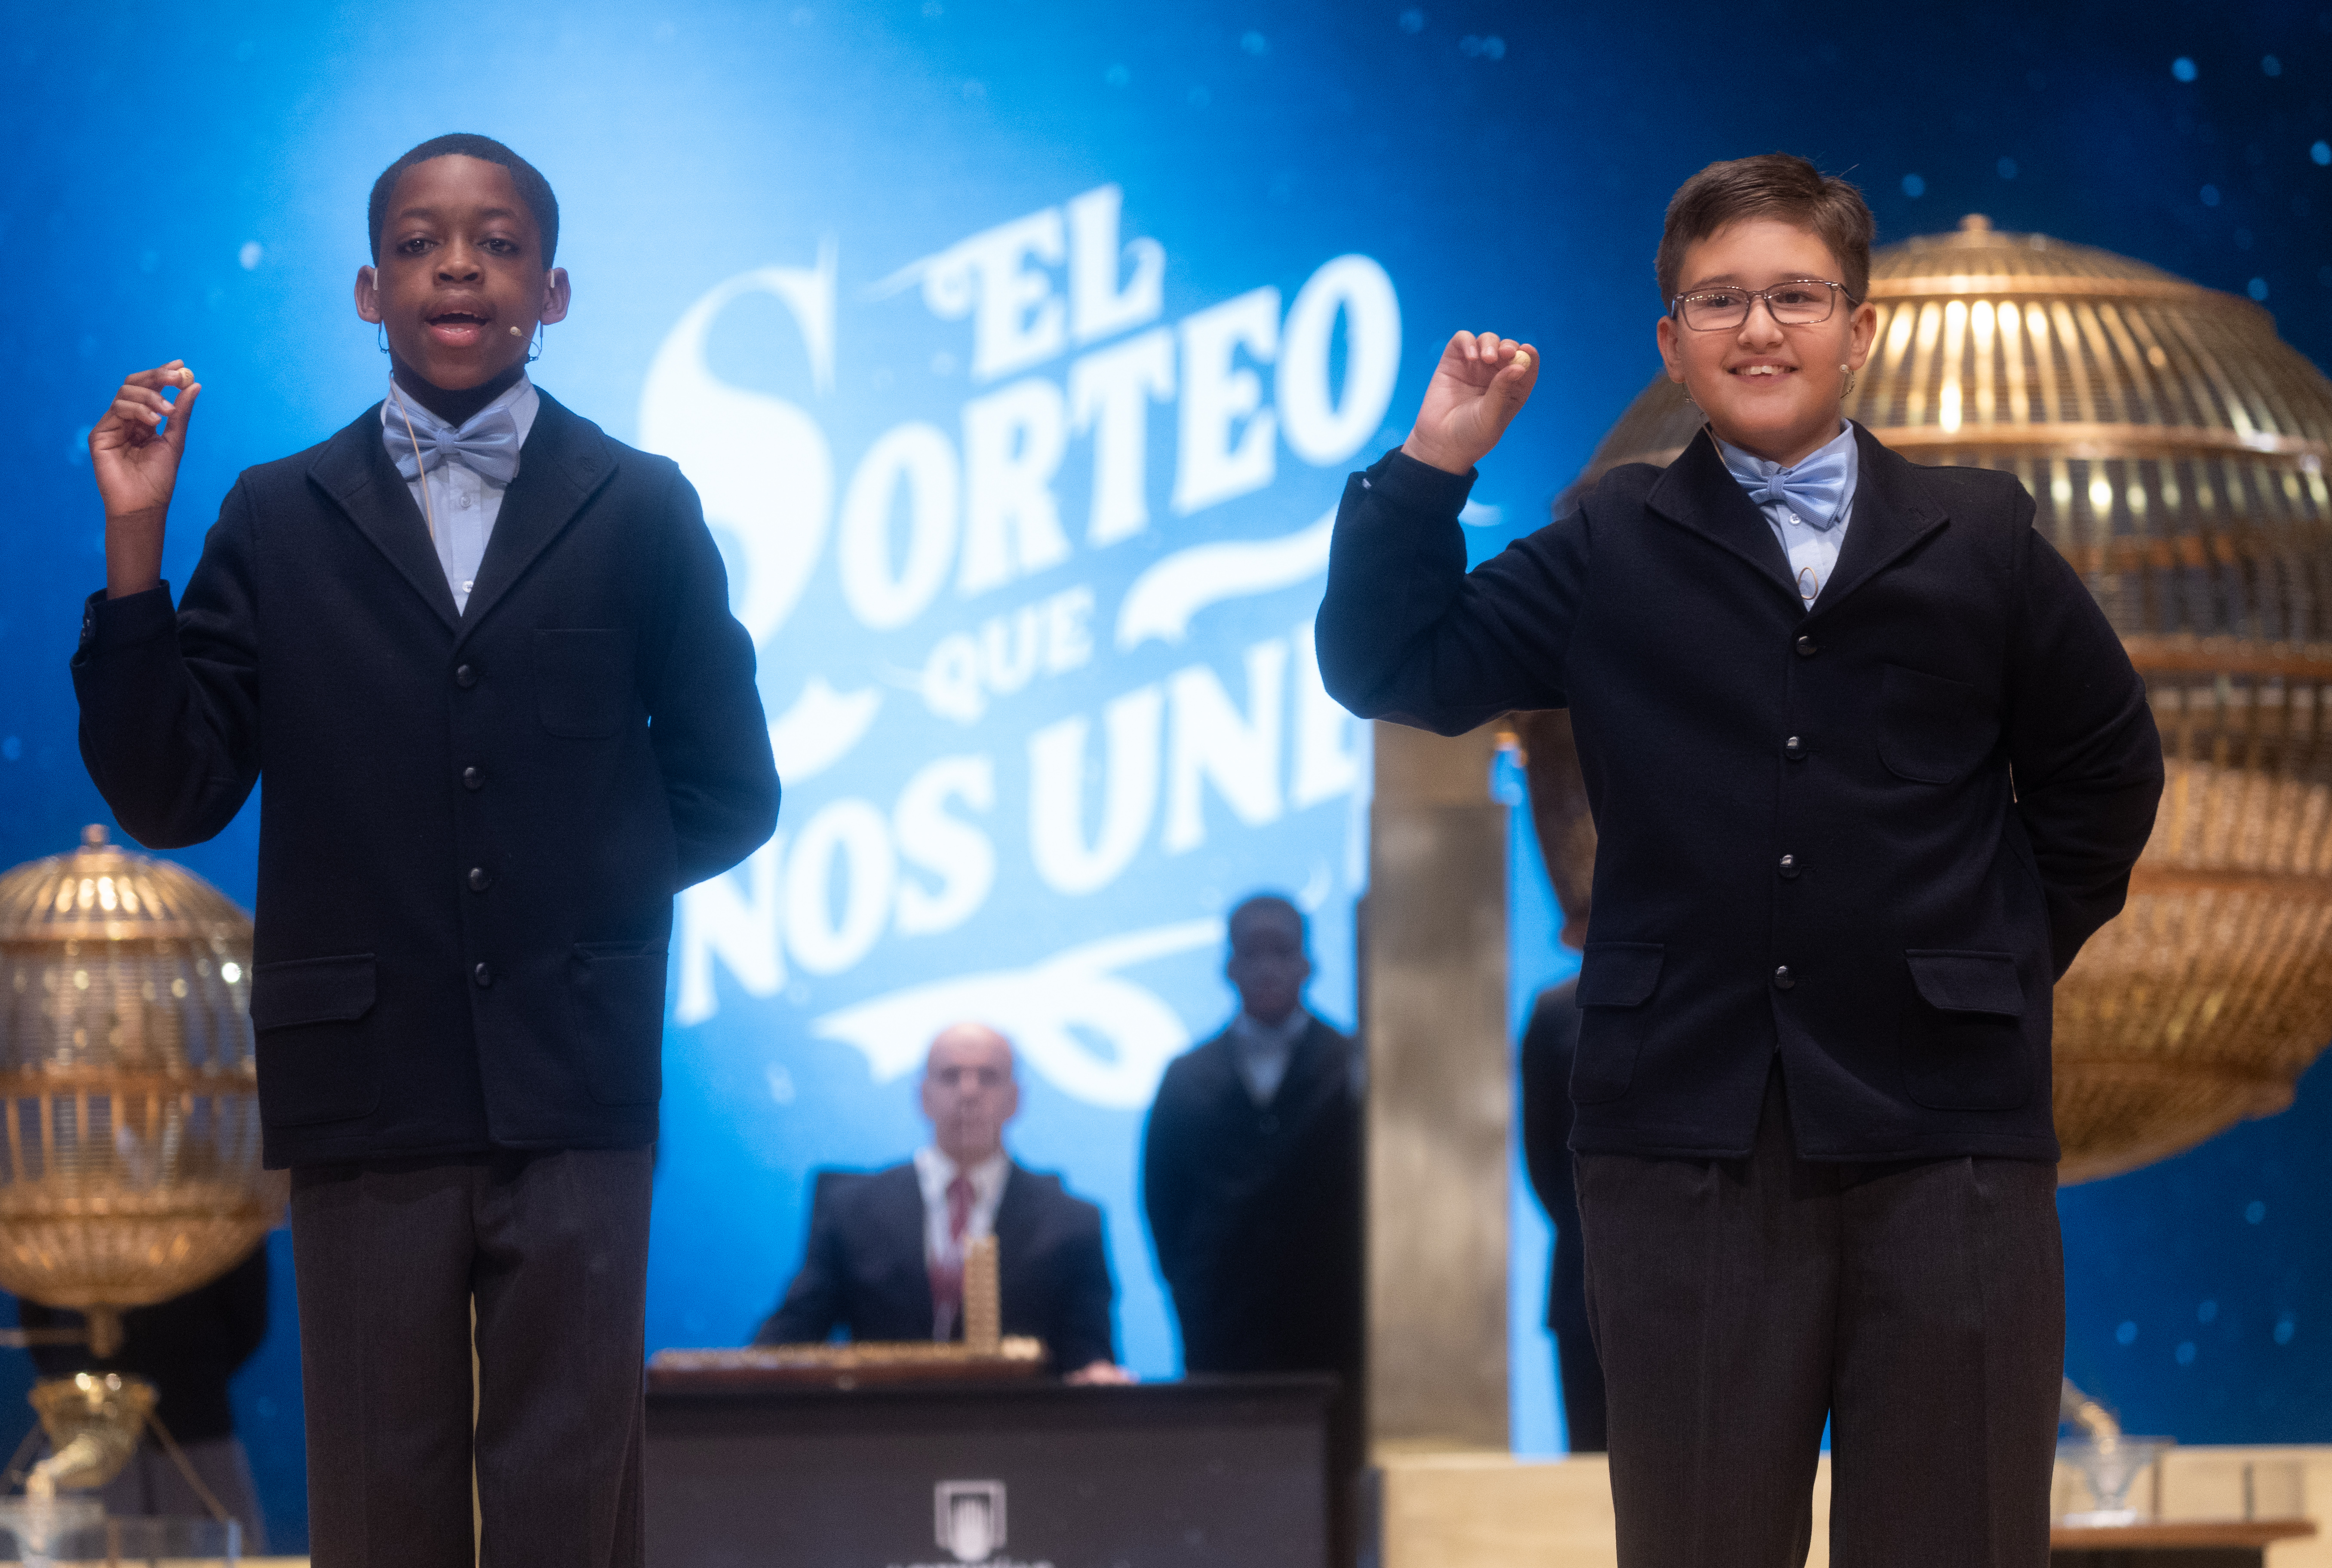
[1019, 350]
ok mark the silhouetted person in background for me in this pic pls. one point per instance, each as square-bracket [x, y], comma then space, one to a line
[1252, 1179]
[1550, 1043]
[884, 1259]
[188, 1347]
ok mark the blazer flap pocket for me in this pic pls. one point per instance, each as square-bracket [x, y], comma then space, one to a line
[1619, 974]
[313, 990]
[1967, 982]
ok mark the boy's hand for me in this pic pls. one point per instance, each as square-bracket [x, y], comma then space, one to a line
[1476, 390]
[136, 464]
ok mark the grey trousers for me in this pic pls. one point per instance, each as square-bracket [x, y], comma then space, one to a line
[1919, 1307]
[552, 1248]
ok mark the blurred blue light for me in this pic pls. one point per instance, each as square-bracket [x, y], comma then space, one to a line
[2207, 1312]
[1914, 186]
[2007, 166]
[2321, 152]
[2271, 65]
[2183, 68]
[2257, 288]
[2186, 1353]
[1412, 21]
[2209, 195]
[2254, 1212]
[2125, 1334]
[2284, 1329]
[1254, 43]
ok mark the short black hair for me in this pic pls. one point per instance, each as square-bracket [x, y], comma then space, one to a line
[1276, 904]
[532, 188]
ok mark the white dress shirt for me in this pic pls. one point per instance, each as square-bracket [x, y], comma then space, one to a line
[462, 502]
[933, 1173]
[1813, 552]
[1262, 1051]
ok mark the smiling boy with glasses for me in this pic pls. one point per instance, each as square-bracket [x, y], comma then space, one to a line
[1868, 765]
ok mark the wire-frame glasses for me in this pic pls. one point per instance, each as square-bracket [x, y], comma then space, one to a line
[1799, 303]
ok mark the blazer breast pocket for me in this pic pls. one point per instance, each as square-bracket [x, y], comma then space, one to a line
[1931, 729]
[306, 1021]
[1616, 982]
[583, 681]
[1962, 1037]
[616, 992]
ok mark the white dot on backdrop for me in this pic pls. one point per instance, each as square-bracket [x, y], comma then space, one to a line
[2254, 1212]
[2271, 65]
[2126, 1333]
[249, 255]
[1412, 21]
[2183, 68]
[1914, 186]
[2320, 152]
[2258, 289]
[2186, 1353]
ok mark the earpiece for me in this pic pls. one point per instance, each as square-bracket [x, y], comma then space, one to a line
[516, 333]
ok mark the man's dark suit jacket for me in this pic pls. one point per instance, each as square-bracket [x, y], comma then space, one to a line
[1256, 1211]
[864, 1272]
[1867, 836]
[476, 823]
[1550, 1046]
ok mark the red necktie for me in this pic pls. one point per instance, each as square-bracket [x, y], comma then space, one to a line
[947, 1273]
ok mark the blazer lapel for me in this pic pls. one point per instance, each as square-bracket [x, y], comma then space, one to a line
[898, 1200]
[563, 463]
[1700, 493]
[1891, 512]
[354, 471]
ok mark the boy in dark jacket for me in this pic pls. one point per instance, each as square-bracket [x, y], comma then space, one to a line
[1867, 767]
[482, 654]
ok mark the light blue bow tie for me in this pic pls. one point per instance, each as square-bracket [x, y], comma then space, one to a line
[1813, 489]
[488, 444]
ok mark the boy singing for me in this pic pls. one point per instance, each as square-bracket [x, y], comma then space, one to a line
[482, 654]
[1867, 767]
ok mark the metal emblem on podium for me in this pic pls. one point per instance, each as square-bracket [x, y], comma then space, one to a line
[970, 1518]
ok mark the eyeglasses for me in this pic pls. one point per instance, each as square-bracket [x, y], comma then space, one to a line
[1799, 303]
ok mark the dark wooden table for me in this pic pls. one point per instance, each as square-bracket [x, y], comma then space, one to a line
[2200, 1544]
[1208, 1473]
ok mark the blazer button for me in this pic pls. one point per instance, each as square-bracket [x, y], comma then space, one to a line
[1789, 869]
[1794, 748]
[467, 675]
[1781, 978]
[474, 777]
[485, 976]
[481, 879]
[1807, 648]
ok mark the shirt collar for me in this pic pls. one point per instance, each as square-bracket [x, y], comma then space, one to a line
[934, 1171]
[1251, 1031]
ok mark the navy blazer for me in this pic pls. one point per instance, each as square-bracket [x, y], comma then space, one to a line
[474, 823]
[863, 1271]
[1256, 1210]
[1867, 835]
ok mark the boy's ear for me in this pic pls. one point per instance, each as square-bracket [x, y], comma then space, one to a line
[369, 293]
[1665, 334]
[1862, 332]
[555, 295]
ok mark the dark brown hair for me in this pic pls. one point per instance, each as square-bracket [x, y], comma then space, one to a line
[1774, 185]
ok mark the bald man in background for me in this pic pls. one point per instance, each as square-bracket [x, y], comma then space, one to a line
[885, 1255]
